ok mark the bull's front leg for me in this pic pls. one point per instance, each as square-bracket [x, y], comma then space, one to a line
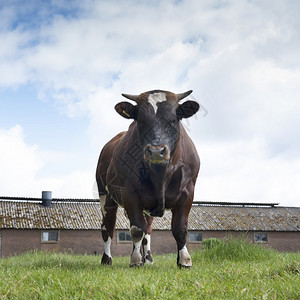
[137, 232]
[179, 230]
[137, 235]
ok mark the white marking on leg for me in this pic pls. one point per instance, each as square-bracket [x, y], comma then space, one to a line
[137, 246]
[107, 247]
[102, 203]
[136, 257]
[147, 246]
[156, 98]
[147, 249]
[184, 257]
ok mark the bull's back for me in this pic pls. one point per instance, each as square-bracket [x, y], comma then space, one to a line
[104, 161]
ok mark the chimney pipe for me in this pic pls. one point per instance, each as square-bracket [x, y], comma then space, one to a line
[46, 198]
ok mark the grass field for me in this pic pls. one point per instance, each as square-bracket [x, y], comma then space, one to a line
[231, 270]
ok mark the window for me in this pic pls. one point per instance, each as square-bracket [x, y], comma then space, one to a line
[124, 236]
[50, 236]
[260, 237]
[195, 237]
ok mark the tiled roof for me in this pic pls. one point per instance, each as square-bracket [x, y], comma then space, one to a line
[60, 215]
[245, 218]
[87, 215]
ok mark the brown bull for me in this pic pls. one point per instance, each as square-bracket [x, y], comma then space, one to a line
[151, 167]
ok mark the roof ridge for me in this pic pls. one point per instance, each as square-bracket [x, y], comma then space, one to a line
[53, 199]
[242, 204]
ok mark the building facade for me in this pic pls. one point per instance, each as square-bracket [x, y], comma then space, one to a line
[74, 226]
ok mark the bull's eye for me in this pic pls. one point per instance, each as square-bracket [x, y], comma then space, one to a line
[171, 125]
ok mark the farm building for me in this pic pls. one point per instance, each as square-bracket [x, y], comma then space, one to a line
[74, 226]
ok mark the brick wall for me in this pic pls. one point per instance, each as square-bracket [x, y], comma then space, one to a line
[17, 241]
[281, 241]
[90, 241]
[285, 241]
[161, 242]
[81, 241]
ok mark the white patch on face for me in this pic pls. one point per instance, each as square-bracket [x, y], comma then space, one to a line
[156, 98]
[107, 247]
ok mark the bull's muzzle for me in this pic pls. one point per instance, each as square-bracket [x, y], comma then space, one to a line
[157, 154]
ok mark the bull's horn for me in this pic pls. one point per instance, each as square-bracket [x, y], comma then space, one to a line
[131, 97]
[183, 95]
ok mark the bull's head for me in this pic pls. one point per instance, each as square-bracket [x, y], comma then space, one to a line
[157, 114]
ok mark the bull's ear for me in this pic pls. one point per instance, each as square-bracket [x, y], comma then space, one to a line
[126, 110]
[187, 109]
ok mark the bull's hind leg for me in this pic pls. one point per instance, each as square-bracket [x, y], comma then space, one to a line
[109, 211]
[147, 256]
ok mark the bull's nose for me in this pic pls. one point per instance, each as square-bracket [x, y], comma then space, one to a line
[156, 154]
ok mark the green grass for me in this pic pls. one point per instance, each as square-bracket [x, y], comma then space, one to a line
[231, 270]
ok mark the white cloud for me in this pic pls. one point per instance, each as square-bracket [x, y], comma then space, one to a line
[78, 184]
[19, 162]
[241, 171]
[241, 58]
[22, 170]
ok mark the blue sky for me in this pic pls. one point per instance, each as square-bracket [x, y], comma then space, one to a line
[64, 65]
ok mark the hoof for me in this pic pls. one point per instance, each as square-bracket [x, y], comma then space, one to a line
[184, 259]
[106, 260]
[136, 260]
[186, 263]
[184, 266]
[135, 266]
[148, 259]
